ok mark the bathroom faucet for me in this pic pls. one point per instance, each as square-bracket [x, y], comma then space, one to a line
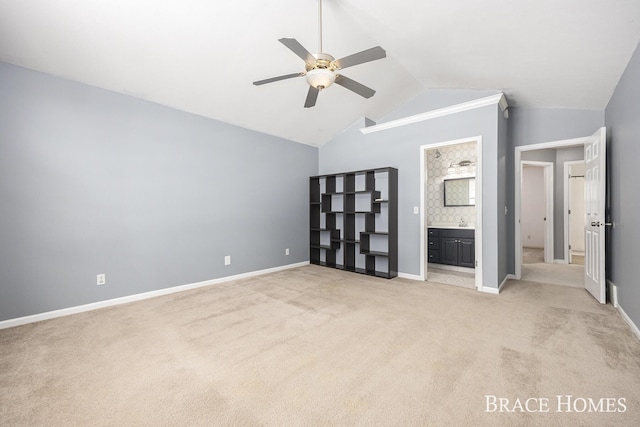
[462, 223]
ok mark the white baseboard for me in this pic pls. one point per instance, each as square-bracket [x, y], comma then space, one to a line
[507, 277]
[489, 290]
[625, 317]
[496, 291]
[409, 276]
[561, 261]
[138, 297]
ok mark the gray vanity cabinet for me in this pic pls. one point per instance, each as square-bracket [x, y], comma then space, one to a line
[452, 246]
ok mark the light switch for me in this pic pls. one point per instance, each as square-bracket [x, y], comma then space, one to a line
[416, 210]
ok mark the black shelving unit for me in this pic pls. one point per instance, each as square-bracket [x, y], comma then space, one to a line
[353, 219]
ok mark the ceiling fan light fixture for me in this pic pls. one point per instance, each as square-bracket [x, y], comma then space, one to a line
[321, 78]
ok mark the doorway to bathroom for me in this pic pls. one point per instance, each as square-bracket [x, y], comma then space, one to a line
[451, 212]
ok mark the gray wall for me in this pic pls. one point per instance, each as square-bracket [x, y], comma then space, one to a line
[434, 99]
[622, 117]
[503, 177]
[96, 182]
[557, 157]
[537, 125]
[400, 148]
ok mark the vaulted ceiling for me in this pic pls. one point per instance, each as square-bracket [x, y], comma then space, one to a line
[202, 56]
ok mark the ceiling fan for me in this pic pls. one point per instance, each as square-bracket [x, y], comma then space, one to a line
[321, 69]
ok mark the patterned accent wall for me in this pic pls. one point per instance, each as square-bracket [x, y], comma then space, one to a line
[437, 213]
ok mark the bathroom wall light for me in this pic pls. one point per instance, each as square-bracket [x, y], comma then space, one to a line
[463, 166]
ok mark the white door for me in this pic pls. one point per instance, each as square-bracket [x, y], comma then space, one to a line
[594, 192]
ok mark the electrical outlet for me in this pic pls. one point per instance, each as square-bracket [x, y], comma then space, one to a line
[227, 260]
[286, 251]
[101, 279]
[416, 210]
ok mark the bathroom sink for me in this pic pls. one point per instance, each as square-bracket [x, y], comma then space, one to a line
[469, 226]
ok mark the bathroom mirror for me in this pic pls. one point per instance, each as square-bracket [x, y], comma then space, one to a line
[460, 192]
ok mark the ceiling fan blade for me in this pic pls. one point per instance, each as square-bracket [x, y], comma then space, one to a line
[298, 49]
[275, 79]
[360, 57]
[354, 86]
[312, 95]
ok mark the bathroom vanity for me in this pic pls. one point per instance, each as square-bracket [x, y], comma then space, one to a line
[452, 246]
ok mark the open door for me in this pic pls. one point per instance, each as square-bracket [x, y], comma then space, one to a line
[594, 192]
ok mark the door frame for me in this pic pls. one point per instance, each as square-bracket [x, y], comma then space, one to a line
[423, 214]
[567, 195]
[547, 168]
[518, 188]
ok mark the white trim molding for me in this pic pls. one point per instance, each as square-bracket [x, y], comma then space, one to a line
[613, 297]
[478, 219]
[518, 181]
[138, 297]
[409, 276]
[628, 320]
[504, 282]
[441, 112]
[489, 290]
[497, 290]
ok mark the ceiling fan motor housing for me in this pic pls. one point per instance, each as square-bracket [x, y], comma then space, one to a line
[323, 60]
[321, 74]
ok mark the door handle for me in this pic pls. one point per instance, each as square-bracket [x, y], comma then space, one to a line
[602, 224]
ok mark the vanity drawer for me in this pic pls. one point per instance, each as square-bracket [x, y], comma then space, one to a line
[434, 256]
[433, 242]
[462, 233]
[433, 232]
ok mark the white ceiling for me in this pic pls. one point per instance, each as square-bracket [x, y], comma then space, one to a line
[202, 56]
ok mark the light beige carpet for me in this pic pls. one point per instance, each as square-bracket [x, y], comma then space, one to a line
[314, 346]
[532, 255]
[555, 274]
